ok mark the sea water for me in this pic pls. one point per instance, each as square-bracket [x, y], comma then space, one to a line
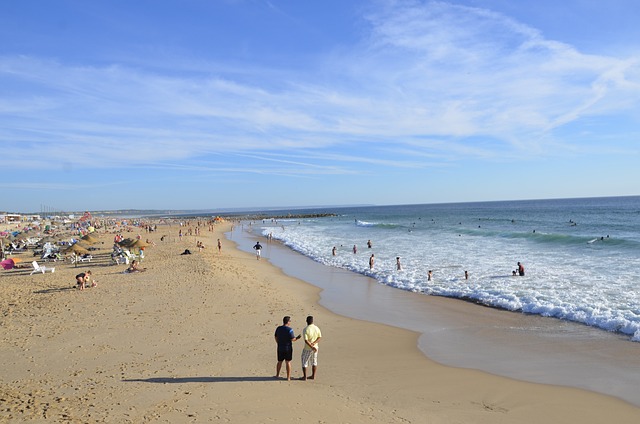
[581, 256]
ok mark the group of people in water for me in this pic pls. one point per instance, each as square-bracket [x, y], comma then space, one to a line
[334, 251]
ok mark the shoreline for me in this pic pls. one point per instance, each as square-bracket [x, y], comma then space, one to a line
[191, 340]
[465, 334]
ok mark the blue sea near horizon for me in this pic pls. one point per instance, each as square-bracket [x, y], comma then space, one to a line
[581, 256]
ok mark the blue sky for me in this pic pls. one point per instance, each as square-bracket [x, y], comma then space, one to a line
[207, 104]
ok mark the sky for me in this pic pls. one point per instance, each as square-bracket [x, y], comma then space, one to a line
[220, 104]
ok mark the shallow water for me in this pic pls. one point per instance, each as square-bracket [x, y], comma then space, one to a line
[582, 256]
[527, 347]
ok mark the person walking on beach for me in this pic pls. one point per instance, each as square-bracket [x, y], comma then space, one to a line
[312, 336]
[258, 248]
[284, 339]
[219, 246]
[520, 269]
[371, 261]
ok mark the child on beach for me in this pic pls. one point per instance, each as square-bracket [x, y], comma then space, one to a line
[83, 279]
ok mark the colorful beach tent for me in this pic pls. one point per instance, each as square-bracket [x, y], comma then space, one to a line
[7, 263]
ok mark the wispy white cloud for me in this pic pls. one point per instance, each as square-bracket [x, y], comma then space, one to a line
[56, 186]
[431, 79]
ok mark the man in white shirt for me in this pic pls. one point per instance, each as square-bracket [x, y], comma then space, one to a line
[312, 336]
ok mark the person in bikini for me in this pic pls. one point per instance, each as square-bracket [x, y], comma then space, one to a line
[83, 279]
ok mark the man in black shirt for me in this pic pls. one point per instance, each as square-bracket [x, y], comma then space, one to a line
[285, 337]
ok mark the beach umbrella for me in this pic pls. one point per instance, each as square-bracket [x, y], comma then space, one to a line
[76, 249]
[83, 245]
[127, 242]
[5, 242]
[139, 244]
[20, 236]
[50, 239]
[89, 239]
[56, 239]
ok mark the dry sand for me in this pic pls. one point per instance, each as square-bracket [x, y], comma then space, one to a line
[191, 340]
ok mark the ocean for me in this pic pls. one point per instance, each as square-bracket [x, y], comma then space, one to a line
[581, 256]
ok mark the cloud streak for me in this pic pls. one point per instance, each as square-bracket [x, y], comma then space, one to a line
[433, 78]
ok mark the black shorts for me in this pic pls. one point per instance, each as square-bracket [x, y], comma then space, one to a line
[285, 354]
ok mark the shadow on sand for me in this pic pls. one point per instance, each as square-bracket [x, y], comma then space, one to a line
[166, 380]
[55, 290]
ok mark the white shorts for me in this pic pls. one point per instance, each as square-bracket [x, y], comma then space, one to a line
[257, 252]
[309, 357]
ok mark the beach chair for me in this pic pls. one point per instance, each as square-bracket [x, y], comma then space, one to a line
[83, 258]
[118, 256]
[14, 248]
[117, 259]
[50, 255]
[42, 269]
[129, 255]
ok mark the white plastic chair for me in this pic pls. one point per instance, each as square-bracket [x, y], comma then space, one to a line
[41, 268]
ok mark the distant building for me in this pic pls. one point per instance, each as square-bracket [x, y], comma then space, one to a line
[14, 217]
[10, 217]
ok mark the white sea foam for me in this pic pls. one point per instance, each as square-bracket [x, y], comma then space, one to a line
[566, 277]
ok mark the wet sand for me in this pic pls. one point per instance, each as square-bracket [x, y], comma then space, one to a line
[462, 334]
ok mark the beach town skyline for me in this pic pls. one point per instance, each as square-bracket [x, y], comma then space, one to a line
[244, 104]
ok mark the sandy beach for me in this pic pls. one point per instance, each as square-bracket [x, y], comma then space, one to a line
[191, 340]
